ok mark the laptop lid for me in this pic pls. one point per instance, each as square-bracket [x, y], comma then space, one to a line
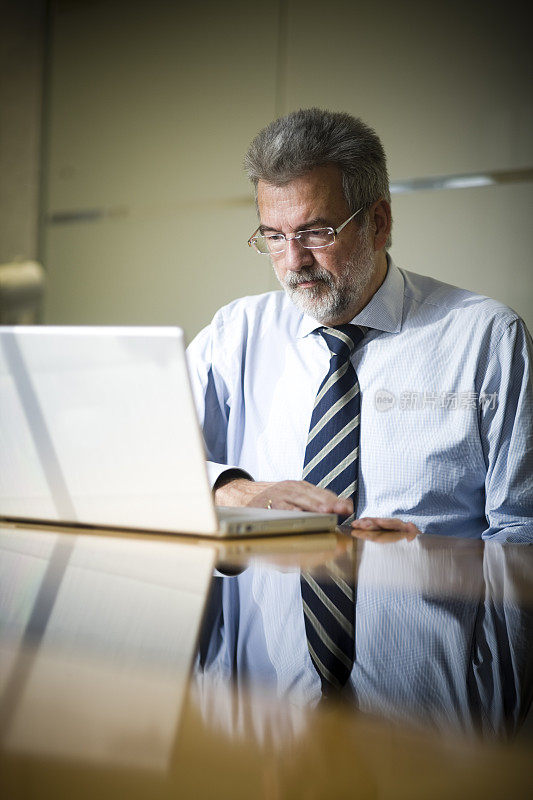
[98, 426]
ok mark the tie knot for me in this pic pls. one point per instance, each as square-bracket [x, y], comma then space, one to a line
[342, 339]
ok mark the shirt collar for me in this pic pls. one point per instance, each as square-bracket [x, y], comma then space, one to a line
[383, 312]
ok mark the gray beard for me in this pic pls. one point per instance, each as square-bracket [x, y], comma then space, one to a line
[332, 297]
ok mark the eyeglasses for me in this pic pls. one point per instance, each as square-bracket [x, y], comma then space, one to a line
[313, 239]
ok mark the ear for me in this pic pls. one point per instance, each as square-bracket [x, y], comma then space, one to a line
[381, 223]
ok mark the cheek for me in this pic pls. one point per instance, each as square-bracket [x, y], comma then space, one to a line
[324, 259]
[333, 263]
[278, 269]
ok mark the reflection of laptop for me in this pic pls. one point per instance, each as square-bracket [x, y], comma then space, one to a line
[98, 427]
[79, 681]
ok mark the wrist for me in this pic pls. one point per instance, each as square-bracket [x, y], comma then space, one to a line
[230, 488]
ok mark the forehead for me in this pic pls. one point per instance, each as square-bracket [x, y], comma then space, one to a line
[316, 194]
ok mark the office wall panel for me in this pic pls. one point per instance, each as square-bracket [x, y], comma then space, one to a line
[154, 270]
[151, 108]
[21, 71]
[446, 85]
[475, 238]
[149, 103]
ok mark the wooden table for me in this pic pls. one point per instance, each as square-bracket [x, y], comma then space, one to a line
[98, 631]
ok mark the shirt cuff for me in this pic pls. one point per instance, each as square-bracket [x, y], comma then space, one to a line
[215, 471]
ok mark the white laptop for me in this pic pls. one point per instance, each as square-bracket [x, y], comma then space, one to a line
[98, 428]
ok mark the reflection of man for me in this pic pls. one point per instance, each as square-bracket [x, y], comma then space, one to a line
[443, 638]
[444, 437]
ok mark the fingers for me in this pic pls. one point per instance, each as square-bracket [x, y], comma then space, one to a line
[283, 505]
[372, 528]
[312, 498]
[297, 495]
[383, 523]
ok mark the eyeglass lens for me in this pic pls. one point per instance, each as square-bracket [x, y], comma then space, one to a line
[276, 243]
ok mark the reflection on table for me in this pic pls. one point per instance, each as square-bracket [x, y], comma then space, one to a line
[99, 632]
[442, 637]
[97, 637]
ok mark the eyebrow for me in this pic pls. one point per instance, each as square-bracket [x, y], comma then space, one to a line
[321, 222]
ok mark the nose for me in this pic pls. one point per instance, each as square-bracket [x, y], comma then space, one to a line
[296, 256]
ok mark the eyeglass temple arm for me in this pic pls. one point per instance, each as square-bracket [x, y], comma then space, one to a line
[339, 229]
[251, 237]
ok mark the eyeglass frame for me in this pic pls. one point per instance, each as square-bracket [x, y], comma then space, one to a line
[298, 234]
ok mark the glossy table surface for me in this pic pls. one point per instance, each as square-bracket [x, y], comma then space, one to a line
[147, 666]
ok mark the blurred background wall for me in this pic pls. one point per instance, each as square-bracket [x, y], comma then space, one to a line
[144, 211]
[22, 37]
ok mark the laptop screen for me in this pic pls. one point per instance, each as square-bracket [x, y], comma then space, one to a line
[98, 426]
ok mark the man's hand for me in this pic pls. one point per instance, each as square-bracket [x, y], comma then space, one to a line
[383, 529]
[286, 495]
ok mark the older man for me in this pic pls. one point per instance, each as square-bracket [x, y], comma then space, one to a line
[361, 389]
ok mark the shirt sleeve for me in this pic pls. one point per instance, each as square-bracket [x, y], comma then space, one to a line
[506, 425]
[501, 674]
[211, 391]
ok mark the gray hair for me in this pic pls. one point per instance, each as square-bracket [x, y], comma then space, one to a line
[296, 143]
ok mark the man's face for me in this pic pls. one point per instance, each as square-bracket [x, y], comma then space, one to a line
[333, 283]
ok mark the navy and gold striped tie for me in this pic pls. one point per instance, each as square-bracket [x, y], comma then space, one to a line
[331, 462]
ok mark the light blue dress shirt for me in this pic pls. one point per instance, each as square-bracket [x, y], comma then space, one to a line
[446, 436]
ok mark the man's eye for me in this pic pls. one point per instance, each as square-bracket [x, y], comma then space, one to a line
[275, 237]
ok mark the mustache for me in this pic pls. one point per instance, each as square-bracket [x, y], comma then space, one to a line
[306, 274]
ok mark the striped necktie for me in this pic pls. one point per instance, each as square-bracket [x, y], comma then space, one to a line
[331, 462]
